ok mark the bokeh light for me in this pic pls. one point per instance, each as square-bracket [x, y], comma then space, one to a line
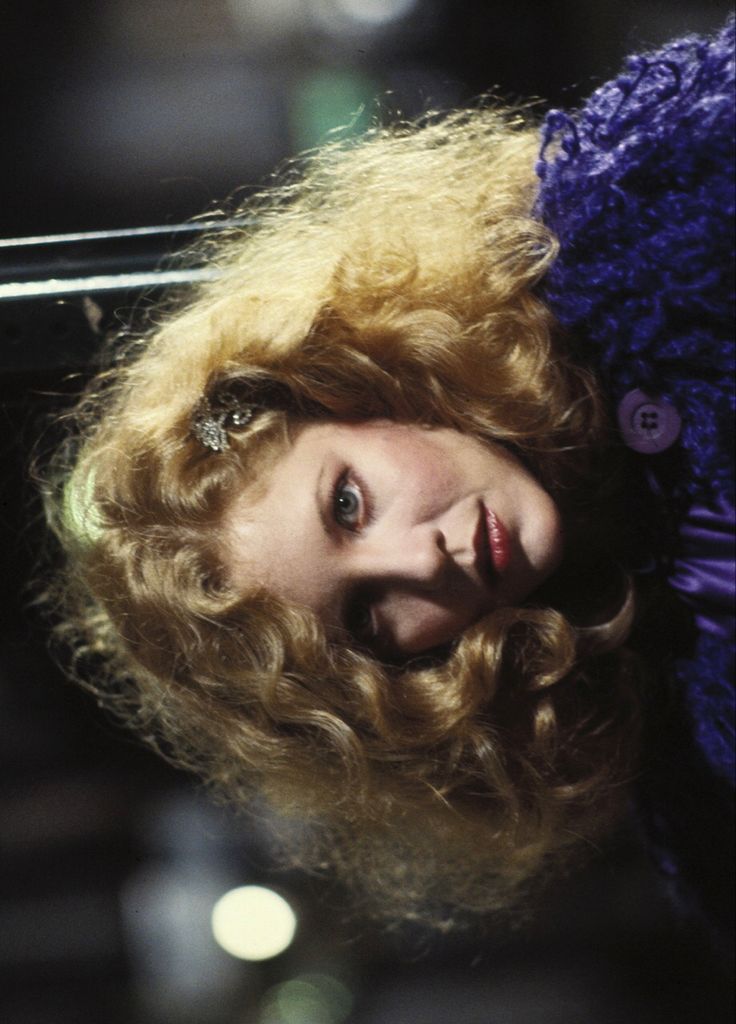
[253, 923]
[376, 12]
[307, 999]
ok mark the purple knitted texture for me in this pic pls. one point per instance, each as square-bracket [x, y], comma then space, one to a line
[639, 188]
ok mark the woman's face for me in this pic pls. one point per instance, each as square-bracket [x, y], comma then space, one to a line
[397, 535]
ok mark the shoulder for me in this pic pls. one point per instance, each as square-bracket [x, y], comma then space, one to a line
[662, 101]
[638, 188]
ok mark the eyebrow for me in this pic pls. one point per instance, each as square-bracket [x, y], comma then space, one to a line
[327, 525]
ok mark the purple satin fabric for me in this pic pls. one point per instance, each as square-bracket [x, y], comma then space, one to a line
[705, 571]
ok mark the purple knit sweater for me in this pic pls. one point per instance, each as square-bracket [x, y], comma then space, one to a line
[639, 188]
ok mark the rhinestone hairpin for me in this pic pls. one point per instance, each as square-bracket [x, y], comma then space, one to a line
[211, 423]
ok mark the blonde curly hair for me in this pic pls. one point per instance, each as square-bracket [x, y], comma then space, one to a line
[395, 278]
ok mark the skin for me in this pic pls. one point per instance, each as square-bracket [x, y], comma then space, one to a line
[379, 528]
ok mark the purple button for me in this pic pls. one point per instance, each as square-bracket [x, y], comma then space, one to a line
[648, 425]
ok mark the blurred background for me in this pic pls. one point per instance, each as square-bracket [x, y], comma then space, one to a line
[124, 896]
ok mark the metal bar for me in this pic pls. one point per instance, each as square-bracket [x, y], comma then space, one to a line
[102, 283]
[195, 228]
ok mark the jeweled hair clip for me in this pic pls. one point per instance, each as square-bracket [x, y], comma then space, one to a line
[212, 421]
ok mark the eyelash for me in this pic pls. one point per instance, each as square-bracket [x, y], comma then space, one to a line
[359, 622]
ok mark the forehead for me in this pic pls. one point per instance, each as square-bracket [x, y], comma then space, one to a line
[273, 533]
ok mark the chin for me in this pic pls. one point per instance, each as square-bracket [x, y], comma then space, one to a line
[545, 549]
[536, 569]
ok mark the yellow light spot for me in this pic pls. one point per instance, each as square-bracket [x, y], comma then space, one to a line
[253, 923]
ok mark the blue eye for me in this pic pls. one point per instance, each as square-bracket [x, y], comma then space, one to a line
[347, 505]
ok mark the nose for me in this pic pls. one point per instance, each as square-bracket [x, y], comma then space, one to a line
[416, 557]
[412, 587]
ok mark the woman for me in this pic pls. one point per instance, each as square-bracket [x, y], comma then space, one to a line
[351, 528]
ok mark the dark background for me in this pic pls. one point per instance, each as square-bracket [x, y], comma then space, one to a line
[124, 113]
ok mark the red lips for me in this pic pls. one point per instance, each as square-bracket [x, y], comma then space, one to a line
[491, 544]
[498, 541]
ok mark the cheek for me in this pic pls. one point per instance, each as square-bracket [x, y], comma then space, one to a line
[419, 625]
[421, 474]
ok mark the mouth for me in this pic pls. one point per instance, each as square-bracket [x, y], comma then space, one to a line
[497, 543]
[484, 561]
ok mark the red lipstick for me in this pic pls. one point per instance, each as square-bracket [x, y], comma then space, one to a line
[498, 541]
